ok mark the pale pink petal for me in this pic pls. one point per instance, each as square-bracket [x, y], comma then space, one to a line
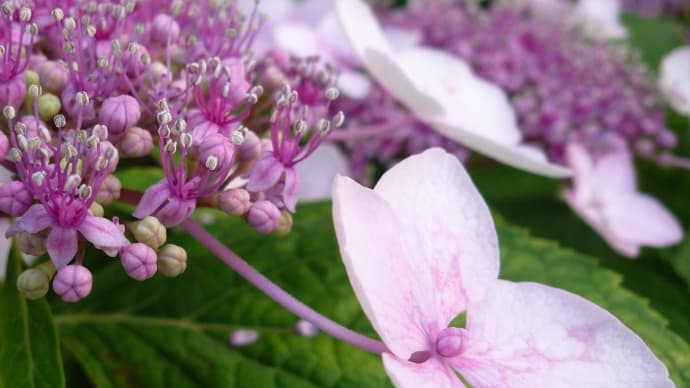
[476, 113]
[641, 219]
[530, 335]
[290, 194]
[61, 245]
[376, 54]
[447, 228]
[432, 373]
[297, 39]
[34, 220]
[615, 173]
[354, 84]
[316, 173]
[674, 79]
[374, 255]
[265, 173]
[102, 232]
[152, 199]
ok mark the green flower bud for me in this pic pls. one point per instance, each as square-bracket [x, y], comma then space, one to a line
[32, 244]
[34, 283]
[172, 260]
[48, 106]
[97, 209]
[284, 224]
[31, 78]
[149, 231]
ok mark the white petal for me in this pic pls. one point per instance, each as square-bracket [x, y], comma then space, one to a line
[316, 173]
[675, 79]
[297, 39]
[599, 19]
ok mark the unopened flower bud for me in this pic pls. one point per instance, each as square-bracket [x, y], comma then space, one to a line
[15, 199]
[235, 202]
[149, 231]
[31, 243]
[120, 113]
[172, 260]
[109, 190]
[139, 261]
[48, 106]
[53, 76]
[12, 92]
[73, 283]
[164, 28]
[263, 216]
[136, 143]
[34, 283]
[97, 210]
[284, 224]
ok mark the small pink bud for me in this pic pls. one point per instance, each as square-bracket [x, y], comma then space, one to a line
[54, 76]
[139, 261]
[72, 107]
[73, 283]
[250, 147]
[109, 191]
[306, 328]
[13, 91]
[220, 148]
[136, 143]
[15, 199]
[119, 113]
[243, 337]
[449, 342]
[263, 216]
[235, 202]
[164, 27]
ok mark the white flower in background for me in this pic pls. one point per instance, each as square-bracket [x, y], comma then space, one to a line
[317, 172]
[674, 79]
[443, 92]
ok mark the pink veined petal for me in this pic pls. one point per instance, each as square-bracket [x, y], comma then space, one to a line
[152, 199]
[376, 54]
[290, 192]
[641, 219]
[476, 113]
[265, 173]
[34, 220]
[526, 335]
[102, 232]
[431, 374]
[448, 230]
[374, 255]
[61, 245]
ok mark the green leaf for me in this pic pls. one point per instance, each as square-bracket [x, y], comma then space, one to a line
[525, 258]
[654, 38]
[29, 351]
[174, 332]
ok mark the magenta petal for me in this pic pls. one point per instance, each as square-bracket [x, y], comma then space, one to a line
[33, 221]
[62, 245]
[176, 211]
[265, 173]
[531, 335]
[152, 199]
[290, 192]
[102, 232]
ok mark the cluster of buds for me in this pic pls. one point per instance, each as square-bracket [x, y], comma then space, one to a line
[105, 80]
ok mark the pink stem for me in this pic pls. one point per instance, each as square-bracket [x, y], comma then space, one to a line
[371, 131]
[278, 294]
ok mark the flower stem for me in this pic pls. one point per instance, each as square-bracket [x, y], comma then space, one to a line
[371, 131]
[278, 294]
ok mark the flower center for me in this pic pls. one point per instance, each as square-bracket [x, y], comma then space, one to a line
[449, 342]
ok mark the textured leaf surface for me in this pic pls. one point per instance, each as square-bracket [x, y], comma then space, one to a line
[29, 351]
[174, 332]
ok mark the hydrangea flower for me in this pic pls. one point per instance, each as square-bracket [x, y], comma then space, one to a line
[605, 195]
[421, 248]
[443, 92]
